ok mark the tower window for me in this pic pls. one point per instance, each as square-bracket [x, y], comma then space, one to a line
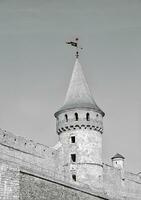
[76, 116]
[73, 157]
[88, 117]
[72, 139]
[66, 118]
[74, 177]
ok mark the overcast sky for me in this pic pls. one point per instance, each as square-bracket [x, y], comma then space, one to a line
[36, 65]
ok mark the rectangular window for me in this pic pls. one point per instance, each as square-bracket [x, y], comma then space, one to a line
[74, 177]
[73, 157]
[72, 139]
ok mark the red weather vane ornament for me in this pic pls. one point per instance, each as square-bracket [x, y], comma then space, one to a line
[76, 45]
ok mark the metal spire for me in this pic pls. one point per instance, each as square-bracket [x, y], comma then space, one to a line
[76, 45]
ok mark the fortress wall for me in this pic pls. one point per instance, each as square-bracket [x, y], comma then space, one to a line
[111, 180]
[133, 177]
[23, 144]
[18, 183]
[9, 182]
[121, 183]
[131, 185]
[26, 152]
[36, 187]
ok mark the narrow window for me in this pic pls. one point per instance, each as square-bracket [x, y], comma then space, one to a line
[74, 177]
[73, 157]
[76, 116]
[72, 139]
[88, 117]
[66, 118]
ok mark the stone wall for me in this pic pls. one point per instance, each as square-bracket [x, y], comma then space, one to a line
[9, 182]
[24, 184]
[19, 155]
[25, 152]
[23, 144]
[86, 167]
[36, 187]
[122, 184]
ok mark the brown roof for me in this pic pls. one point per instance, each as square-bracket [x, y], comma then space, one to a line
[78, 94]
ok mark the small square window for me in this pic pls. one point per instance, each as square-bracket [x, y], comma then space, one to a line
[73, 157]
[72, 139]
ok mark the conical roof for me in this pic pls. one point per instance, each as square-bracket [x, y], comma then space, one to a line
[117, 155]
[78, 94]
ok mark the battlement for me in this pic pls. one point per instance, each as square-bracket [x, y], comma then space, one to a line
[24, 145]
[72, 124]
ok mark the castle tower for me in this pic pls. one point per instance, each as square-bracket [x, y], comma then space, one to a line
[118, 161]
[80, 128]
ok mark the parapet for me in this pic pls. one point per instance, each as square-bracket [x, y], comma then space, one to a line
[24, 145]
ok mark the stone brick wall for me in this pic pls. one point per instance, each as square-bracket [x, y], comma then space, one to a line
[122, 184]
[9, 182]
[24, 145]
[33, 187]
[27, 155]
[87, 148]
[25, 152]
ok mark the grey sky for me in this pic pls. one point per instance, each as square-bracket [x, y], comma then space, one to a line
[36, 65]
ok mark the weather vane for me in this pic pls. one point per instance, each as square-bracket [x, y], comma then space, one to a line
[75, 44]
